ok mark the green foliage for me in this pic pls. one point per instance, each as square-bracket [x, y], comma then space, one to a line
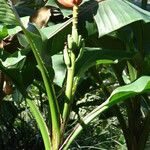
[96, 56]
[6, 11]
[118, 95]
[114, 64]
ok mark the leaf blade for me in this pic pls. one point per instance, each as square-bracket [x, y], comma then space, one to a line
[41, 124]
[114, 14]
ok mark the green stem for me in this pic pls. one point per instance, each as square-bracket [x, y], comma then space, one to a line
[71, 69]
[69, 86]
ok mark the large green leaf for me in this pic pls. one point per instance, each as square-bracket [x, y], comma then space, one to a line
[120, 94]
[114, 14]
[41, 124]
[109, 16]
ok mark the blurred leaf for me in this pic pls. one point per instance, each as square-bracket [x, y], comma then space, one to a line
[3, 32]
[39, 40]
[11, 65]
[6, 14]
[59, 68]
[22, 40]
[20, 67]
[95, 56]
[13, 29]
[15, 60]
[107, 42]
[52, 3]
[30, 72]
[57, 35]
[8, 19]
[50, 31]
[17, 97]
[15, 76]
[66, 12]
[132, 72]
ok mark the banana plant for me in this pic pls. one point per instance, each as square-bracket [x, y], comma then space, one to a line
[127, 27]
